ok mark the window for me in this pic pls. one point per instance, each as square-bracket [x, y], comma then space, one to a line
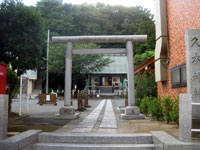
[178, 76]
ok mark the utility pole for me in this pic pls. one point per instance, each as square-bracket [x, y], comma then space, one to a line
[20, 97]
[47, 71]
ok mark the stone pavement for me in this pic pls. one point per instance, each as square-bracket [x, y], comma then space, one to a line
[101, 119]
[109, 120]
[42, 117]
[46, 110]
[88, 123]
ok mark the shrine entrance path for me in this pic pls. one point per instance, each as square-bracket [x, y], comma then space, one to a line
[104, 117]
[100, 120]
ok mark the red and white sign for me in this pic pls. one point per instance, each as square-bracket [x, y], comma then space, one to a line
[3, 78]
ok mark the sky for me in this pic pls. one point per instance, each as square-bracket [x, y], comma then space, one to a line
[149, 4]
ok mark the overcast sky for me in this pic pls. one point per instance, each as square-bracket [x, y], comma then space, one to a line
[145, 3]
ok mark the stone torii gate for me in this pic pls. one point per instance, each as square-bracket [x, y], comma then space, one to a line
[68, 111]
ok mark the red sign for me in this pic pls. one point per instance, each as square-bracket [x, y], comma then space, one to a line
[3, 78]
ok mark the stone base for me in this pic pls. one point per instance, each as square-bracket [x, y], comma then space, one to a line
[132, 117]
[121, 109]
[132, 110]
[67, 117]
[131, 113]
[67, 112]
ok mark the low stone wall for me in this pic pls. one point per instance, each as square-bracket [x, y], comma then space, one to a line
[22, 141]
[164, 141]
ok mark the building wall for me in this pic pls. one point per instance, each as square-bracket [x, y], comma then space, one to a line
[181, 15]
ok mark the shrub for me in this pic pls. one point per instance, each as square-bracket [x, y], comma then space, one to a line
[166, 108]
[49, 90]
[145, 85]
[155, 108]
[144, 105]
[12, 86]
[174, 113]
[59, 94]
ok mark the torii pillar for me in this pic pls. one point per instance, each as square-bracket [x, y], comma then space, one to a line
[68, 111]
[131, 111]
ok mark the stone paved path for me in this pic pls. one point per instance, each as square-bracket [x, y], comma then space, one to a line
[87, 124]
[109, 120]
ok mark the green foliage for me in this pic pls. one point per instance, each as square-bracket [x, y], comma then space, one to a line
[59, 94]
[89, 63]
[57, 58]
[71, 20]
[85, 19]
[139, 58]
[166, 108]
[155, 108]
[174, 113]
[13, 85]
[22, 37]
[126, 95]
[80, 63]
[145, 85]
[49, 90]
[144, 105]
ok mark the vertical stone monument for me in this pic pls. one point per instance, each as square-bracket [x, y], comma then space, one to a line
[3, 116]
[3, 102]
[193, 67]
[193, 85]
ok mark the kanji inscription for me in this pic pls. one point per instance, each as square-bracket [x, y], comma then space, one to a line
[196, 58]
[195, 42]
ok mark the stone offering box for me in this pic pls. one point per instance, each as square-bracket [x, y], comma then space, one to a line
[47, 99]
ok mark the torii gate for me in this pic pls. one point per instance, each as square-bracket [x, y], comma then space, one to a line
[68, 111]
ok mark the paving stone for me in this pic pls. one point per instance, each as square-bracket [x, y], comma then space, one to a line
[109, 120]
[84, 130]
[87, 124]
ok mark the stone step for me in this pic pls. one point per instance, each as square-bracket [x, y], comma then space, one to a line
[68, 146]
[93, 138]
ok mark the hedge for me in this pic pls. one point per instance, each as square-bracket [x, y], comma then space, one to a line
[166, 108]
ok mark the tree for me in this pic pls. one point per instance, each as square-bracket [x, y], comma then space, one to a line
[13, 86]
[81, 64]
[69, 20]
[55, 16]
[22, 37]
[145, 85]
[132, 20]
[141, 57]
